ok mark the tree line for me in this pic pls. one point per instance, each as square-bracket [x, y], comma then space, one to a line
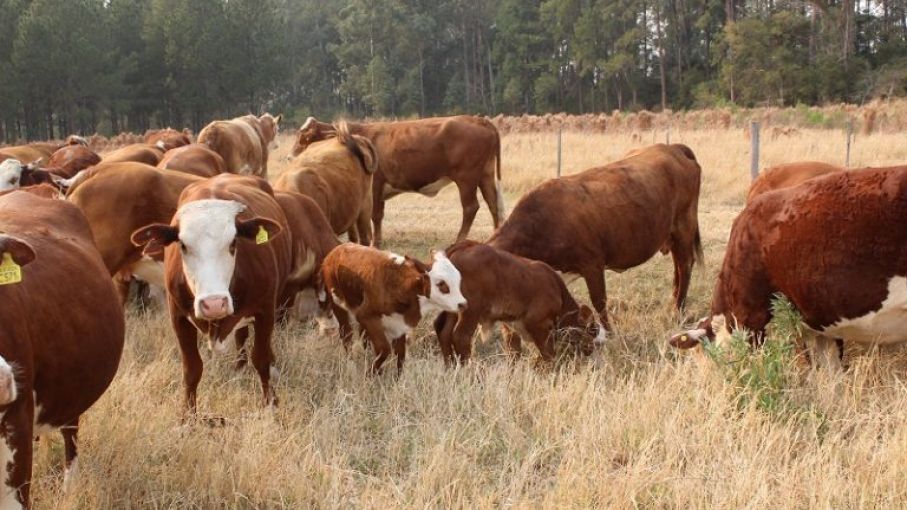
[85, 66]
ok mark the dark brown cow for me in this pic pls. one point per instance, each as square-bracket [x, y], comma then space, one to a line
[243, 142]
[227, 258]
[61, 332]
[387, 294]
[137, 152]
[337, 174]
[788, 175]
[425, 155]
[72, 159]
[612, 217]
[836, 246]
[496, 285]
[195, 159]
[166, 139]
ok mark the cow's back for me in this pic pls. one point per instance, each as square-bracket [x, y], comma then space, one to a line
[237, 142]
[788, 175]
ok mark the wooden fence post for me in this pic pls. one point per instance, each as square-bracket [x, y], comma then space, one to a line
[560, 132]
[849, 135]
[754, 151]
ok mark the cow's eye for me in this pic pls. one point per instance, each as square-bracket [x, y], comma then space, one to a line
[183, 248]
[233, 247]
[13, 180]
[444, 288]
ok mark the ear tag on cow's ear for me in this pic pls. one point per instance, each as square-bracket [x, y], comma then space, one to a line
[262, 236]
[10, 272]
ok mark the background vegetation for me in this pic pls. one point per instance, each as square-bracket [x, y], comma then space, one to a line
[128, 65]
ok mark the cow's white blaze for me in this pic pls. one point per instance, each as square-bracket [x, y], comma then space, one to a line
[443, 271]
[8, 390]
[207, 229]
[887, 325]
[10, 174]
[394, 326]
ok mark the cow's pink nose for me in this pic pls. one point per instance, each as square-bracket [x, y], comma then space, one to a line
[214, 307]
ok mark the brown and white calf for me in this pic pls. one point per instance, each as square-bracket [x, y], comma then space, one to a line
[834, 246]
[226, 259]
[61, 332]
[525, 294]
[388, 294]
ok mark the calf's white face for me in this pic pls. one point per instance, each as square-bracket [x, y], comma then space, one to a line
[444, 293]
[10, 174]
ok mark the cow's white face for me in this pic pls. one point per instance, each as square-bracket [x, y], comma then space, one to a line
[207, 235]
[445, 281]
[10, 174]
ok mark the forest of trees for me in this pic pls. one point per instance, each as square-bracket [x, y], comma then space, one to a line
[128, 65]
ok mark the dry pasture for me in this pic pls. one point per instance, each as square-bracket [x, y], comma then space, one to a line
[633, 426]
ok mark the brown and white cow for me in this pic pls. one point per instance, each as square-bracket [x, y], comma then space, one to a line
[166, 139]
[788, 175]
[424, 156]
[836, 246]
[227, 256]
[137, 153]
[388, 294]
[243, 142]
[496, 284]
[61, 332]
[15, 175]
[69, 160]
[195, 159]
[337, 174]
[612, 217]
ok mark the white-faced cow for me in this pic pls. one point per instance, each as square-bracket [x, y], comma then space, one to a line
[61, 332]
[424, 156]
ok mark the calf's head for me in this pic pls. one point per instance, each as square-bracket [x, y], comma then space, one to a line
[440, 285]
[10, 174]
[208, 233]
[713, 328]
[584, 330]
[311, 131]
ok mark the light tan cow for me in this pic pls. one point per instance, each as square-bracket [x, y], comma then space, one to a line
[243, 142]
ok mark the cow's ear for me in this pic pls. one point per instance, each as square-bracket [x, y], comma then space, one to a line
[155, 237]
[261, 230]
[19, 250]
[417, 263]
[277, 119]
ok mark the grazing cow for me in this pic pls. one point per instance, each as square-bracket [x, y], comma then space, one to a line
[69, 160]
[612, 217]
[166, 139]
[835, 246]
[137, 152]
[425, 155]
[195, 159]
[61, 332]
[496, 285]
[227, 258]
[388, 294]
[243, 142]
[337, 174]
[15, 175]
[785, 176]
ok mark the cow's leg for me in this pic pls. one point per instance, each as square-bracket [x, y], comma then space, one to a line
[823, 351]
[71, 461]
[377, 209]
[16, 439]
[511, 342]
[344, 326]
[381, 346]
[444, 325]
[463, 333]
[192, 360]
[683, 271]
[400, 352]
[494, 198]
[263, 356]
[470, 203]
[364, 226]
[242, 354]
[595, 282]
[121, 281]
[353, 234]
[541, 333]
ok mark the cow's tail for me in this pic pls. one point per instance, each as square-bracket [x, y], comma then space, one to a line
[498, 188]
[68, 186]
[698, 255]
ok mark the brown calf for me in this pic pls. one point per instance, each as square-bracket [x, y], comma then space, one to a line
[166, 139]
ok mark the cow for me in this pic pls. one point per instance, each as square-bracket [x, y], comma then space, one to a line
[61, 332]
[243, 142]
[166, 139]
[337, 174]
[612, 217]
[227, 255]
[69, 160]
[834, 246]
[119, 198]
[15, 175]
[387, 294]
[37, 152]
[787, 175]
[195, 159]
[496, 284]
[424, 156]
[137, 152]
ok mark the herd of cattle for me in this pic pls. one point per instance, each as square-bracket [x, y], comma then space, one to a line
[234, 251]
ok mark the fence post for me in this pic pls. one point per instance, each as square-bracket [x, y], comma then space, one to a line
[668, 135]
[849, 135]
[560, 132]
[754, 151]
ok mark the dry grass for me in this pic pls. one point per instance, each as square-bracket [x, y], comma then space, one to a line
[633, 426]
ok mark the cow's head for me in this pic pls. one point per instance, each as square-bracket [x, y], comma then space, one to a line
[270, 127]
[583, 329]
[311, 131]
[713, 328]
[440, 285]
[208, 232]
[10, 174]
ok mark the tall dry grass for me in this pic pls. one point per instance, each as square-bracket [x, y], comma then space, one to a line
[633, 426]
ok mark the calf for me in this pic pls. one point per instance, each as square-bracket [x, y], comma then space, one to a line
[388, 294]
[496, 284]
[227, 258]
[61, 332]
[166, 139]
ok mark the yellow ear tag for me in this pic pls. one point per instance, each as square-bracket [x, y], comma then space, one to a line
[262, 236]
[10, 272]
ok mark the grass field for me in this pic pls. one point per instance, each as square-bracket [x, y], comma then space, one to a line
[633, 426]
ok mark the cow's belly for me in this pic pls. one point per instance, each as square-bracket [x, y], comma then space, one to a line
[428, 190]
[887, 325]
